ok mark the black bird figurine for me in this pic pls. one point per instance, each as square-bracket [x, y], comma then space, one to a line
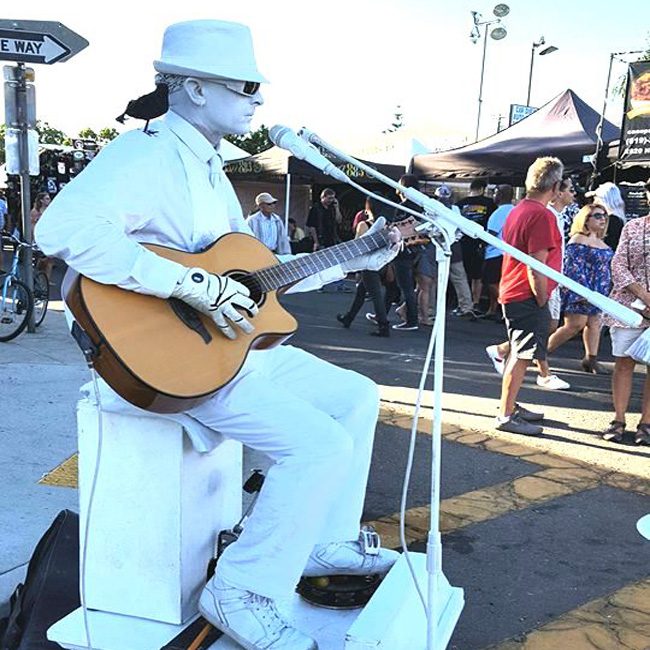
[148, 106]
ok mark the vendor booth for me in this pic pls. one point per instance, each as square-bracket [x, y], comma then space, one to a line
[564, 127]
[297, 184]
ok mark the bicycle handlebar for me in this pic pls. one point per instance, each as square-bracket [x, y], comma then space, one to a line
[21, 244]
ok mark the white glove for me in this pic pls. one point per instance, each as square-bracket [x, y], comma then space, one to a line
[217, 296]
[379, 258]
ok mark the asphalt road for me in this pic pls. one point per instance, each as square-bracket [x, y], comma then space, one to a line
[520, 570]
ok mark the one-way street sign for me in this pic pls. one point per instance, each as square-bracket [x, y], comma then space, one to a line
[36, 41]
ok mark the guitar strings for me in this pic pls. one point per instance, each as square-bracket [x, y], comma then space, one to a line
[279, 275]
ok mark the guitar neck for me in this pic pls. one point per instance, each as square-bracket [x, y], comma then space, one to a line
[287, 273]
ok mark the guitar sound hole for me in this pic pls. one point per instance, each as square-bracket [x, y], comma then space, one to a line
[251, 283]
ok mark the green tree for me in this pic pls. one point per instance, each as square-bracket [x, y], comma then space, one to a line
[397, 123]
[253, 142]
[107, 134]
[88, 134]
[48, 134]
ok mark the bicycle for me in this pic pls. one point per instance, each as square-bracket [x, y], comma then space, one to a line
[17, 302]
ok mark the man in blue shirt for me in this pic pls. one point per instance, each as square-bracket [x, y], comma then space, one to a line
[494, 256]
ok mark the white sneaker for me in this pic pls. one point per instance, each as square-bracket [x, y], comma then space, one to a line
[251, 620]
[349, 558]
[552, 382]
[498, 363]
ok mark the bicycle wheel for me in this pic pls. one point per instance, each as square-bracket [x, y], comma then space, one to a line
[16, 304]
[41, 297]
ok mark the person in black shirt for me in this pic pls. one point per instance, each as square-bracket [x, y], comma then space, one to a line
[323, 220]
[475, 207]
[405, 263]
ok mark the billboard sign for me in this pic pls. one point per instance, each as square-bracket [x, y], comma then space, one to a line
[635, 134]
[519, 112]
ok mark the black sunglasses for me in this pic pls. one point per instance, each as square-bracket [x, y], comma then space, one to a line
[247, 88]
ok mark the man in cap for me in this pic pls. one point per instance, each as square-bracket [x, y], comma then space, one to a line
[267, 226]
[165, 185]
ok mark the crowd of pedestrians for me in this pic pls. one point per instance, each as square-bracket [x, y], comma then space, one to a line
[589, 243]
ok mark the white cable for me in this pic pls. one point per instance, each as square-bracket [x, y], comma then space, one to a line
[91, 497]
[383, 199]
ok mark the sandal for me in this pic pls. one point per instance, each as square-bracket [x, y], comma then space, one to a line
[614, 431]
[642, 436]
[590, 365]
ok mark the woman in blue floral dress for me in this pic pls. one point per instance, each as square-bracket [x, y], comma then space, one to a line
[587, 260]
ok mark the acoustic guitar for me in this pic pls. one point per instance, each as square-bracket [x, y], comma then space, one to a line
[164, 356]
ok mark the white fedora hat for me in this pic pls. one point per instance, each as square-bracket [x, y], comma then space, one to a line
[209, 48]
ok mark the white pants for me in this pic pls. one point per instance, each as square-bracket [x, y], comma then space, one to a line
[317, 422]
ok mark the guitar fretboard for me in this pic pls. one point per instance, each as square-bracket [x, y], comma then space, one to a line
[282, 275]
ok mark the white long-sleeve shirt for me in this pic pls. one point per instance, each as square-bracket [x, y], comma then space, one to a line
[146, 187]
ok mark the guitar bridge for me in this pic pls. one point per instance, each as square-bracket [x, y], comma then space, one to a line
[190, 318]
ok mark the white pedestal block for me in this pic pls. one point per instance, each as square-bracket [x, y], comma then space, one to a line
[393, 620]
[115, 632]
[157, 507]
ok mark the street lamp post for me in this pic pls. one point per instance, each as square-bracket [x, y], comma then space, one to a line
[497, 34]
[546, 50]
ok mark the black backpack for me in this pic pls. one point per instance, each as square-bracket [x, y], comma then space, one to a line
[51, 589]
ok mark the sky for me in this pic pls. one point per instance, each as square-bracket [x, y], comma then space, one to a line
[342, 67]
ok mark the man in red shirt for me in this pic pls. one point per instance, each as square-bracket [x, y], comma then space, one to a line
[524, 293]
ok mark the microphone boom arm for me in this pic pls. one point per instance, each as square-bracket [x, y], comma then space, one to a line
[443, 217]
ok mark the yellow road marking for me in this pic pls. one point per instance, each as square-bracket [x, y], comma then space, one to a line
[560, 477]
[64, 475]
[616, 622]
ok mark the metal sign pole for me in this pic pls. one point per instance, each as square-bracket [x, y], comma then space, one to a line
[29, 41]
[25, 192]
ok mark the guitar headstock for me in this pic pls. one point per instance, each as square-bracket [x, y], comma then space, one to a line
[407, 229]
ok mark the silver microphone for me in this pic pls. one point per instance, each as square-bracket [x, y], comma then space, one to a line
[286, 138]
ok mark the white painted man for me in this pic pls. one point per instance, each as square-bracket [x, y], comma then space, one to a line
[165, 185]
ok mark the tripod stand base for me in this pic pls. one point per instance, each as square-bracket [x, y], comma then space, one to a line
[395, 618]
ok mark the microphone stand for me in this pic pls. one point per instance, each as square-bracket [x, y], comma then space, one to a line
[442, 224]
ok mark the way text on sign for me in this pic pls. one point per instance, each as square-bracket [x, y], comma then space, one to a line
[30, 47]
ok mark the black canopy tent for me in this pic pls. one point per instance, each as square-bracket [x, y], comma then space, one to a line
[275, 163]
[299, 180]
[564, 127]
